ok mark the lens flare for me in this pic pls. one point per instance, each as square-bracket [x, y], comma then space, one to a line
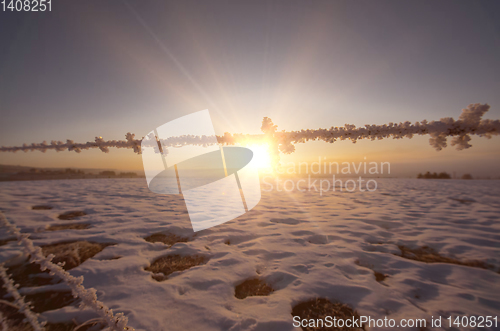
[261, 156]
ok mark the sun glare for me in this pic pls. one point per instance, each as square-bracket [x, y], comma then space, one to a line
[262, 160]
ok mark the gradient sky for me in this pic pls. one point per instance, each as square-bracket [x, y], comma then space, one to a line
[104, 68]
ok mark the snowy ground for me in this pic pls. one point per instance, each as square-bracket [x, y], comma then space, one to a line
[304, 245]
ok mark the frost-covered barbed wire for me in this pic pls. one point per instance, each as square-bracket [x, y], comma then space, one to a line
[3, 322]
[116, 322]
[470, 122]
[135, 144]
[19, 302]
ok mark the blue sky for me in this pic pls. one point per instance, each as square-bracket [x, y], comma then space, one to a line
[93, 68]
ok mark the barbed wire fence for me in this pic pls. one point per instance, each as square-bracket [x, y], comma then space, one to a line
[469, 123]
[114, 322]
[19, 303]
[3, 322]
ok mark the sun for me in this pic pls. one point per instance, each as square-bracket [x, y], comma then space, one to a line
[261, 158]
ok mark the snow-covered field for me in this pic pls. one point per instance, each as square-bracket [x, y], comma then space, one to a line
[305, 245]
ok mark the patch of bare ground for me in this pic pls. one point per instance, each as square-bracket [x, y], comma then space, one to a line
[5, 241]
[166, 265]
[379, 277]
[464, 201]
[429, 255]
[76, 226]
[3, 292]
[41, 302]
[28, 274]
[41, 207]
[70, 215]
[73, 253]
[252, 287]
[316, 310]
[50, 300]
[15, 321]
[169, 238]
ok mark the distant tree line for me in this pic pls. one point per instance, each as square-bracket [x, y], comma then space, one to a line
[441, 175]
[56, 172]
[428, 175]
[110, 173]
[76, 173]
